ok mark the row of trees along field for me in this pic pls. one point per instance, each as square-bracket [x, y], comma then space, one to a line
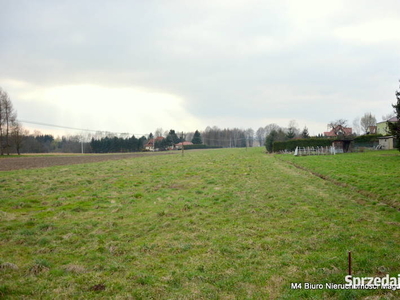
[14, 138]
[117, 144]
[216, 137]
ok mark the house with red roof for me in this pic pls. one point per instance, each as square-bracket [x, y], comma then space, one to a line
[339, 131]
[179, 145]
[150, 144]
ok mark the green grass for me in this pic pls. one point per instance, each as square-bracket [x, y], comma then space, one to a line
[375, 174]
[214, 224]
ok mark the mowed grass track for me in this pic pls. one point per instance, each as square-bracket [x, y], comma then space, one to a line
[217, 224]
[374, 173]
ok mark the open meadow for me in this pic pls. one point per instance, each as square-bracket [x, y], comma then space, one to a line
[214, 224]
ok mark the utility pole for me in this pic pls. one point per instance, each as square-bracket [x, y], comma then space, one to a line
[182, 146]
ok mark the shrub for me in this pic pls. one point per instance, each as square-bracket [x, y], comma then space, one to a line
[369, 138]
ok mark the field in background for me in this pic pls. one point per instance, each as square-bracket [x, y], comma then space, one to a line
[9, 163]
[215, 224]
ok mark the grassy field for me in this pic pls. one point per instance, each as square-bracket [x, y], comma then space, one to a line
[214, 224]
[375, 173]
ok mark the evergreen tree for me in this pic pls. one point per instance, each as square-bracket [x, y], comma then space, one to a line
[395, 127]
[270, 140]
[290, 133]
[161, 144]
[141, 143]
[292, 130]
[172, 138]
[197, 138]
[305, 134]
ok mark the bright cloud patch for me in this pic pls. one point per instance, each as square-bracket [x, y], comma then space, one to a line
[132, 110]
[371, 32]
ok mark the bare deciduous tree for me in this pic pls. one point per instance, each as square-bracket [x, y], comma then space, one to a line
[7, 117]
[388, 116]
[356, 125]
[339, 122]
[158, 132]
[260, 135]
[250, 137]
[17, 136]
[366, 121]
[338, 127]
[270, 127]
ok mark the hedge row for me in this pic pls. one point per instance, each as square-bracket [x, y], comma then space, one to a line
[291, 145]
[370, 138]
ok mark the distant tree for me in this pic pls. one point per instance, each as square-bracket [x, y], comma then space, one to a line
[141, 143]
[250, 137]
[172, 138]
[189, 136]
[270, 127]
[305, 134]
[161, 144]
[3, 94]
[197, 138]
[7, 117]
[356, 125]
[31, 145]
[290, 134]
[158, 132]
[260, 136]
[366, 121]
[18, 134]
[271, 137]
[395, 126]
[337, 127]
[281, 135]
[150, 136]
[338, 122]
[388, 116]
[292, 130]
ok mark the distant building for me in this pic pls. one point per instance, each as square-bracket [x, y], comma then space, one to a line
[179, 145]
[383, 128]
[386, 142]
[339, 131]
[150, 144]
[343, 146]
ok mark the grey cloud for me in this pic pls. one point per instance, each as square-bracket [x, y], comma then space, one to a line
[222, 59]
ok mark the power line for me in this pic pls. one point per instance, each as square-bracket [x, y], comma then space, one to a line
[225, 139]
[73, 128]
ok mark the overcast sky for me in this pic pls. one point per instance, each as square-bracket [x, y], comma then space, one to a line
[134, 66]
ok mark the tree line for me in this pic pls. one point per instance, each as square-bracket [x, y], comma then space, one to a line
[13, 137]
[117, 144]
[228, 138]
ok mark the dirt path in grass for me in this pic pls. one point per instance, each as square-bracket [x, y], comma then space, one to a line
[17, 163]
